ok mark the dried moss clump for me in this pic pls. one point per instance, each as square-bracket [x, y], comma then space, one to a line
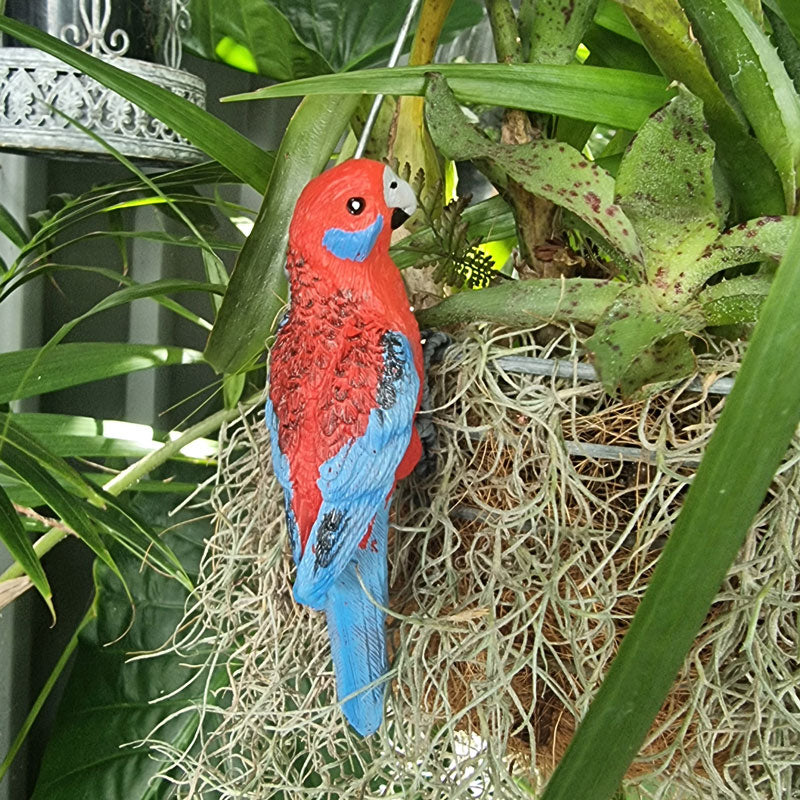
[515, 571]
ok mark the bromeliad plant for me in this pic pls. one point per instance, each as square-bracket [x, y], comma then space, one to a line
[661, 218]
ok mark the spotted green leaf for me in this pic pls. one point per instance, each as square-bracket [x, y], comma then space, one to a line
[666, 189]
[668, 37]
[549, 169]
[639, 341]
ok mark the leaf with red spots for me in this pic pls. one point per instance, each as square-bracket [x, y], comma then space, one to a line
[549, 169]
[551, 30]
[736, 301]
[668, 37]
[756, 240]
[639, 341]
[666, 187]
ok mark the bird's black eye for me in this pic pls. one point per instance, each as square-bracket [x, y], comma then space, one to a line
[393, 185]
[355, 205]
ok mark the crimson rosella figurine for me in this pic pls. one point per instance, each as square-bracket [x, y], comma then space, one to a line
[344, 386]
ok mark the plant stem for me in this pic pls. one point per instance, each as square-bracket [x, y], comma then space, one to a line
[507, 43]
[135, 472]
[534, 215]
[523, 304]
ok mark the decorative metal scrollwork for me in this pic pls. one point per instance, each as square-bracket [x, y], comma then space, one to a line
[33, 83]
[93, 38]
[178, 21]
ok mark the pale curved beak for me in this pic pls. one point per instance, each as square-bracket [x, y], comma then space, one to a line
[399, 196]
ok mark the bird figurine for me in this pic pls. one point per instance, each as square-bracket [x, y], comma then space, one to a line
[345, 380]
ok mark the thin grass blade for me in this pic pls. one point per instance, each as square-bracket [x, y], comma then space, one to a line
[82, 362]
[14, 537]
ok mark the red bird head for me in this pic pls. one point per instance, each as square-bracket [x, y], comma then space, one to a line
[345, 216]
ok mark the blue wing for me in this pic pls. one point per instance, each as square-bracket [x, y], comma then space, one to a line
[280, 466]
[356, 483]
[356, 627]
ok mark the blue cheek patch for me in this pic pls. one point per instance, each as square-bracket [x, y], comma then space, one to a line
[352, 245]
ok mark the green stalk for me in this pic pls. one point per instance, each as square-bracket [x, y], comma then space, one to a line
[135, 472]
[504, 31]
[22, 734]
[523, 304]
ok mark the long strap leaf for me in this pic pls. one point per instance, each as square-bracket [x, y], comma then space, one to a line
[14, 537]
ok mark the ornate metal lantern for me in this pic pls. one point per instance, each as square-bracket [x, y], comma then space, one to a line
[139, 36]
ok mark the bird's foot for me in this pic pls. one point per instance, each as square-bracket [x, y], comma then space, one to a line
[434, 345]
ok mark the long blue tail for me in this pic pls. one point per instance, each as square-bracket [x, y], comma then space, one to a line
[356, 628]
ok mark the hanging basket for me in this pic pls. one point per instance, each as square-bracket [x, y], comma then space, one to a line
[514, 572]
[33, 83]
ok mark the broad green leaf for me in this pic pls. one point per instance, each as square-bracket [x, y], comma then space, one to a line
[750, 440]
[14, 537]
[111, 701]
[257, 286]
[350, 34]
[525, 304]
[548, 169]
[739, 52]
[638, 341]
[218, 140]
[667, 35]
[613, 97]
[226, 32]
[755, 240]
[288, 39]
[81, 362]
[552, 31]
[666, 188]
